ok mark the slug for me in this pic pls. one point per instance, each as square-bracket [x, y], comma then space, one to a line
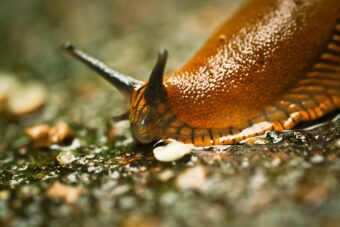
[272, 65]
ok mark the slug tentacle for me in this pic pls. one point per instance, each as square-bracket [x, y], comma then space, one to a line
[155, 91]
[123, 83]
[122, 117]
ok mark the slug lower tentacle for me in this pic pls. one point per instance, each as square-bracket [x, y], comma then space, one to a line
[274, 64]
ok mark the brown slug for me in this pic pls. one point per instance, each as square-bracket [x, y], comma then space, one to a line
[274, 64]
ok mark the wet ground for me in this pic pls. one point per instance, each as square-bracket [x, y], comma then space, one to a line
[90, 173]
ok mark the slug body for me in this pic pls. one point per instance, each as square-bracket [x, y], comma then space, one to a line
[274, 64]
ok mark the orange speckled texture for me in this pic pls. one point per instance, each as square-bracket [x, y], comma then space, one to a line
[251, 61]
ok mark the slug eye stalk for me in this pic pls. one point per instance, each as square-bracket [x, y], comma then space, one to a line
[155, 91]
[125, 84]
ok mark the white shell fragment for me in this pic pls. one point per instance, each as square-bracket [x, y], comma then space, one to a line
[173, 151]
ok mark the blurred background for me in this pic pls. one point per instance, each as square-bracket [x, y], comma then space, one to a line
[124, 34]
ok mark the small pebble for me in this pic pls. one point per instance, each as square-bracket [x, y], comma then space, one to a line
[139, 221]
[60, 132]
[112, 134]
[257, 200]
[273, 137]
[44, 135]
[4, 194]
[337, 143]
[276, 162]
[166, 175]
[121, 189]
[65, 157]
[38, 132]
[317, 159]
[8, 84]
[173, 151]
[312, 194]
[68, 194]
[258, 180]
[27, 99]
[192, 178]
[300, 136]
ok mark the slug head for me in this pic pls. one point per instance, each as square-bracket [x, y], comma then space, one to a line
[146, 102]
[146, 98]
[144, 119]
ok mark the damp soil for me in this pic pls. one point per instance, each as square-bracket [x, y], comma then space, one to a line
[98, 176]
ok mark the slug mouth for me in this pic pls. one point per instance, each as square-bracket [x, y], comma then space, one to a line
[142, 135]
